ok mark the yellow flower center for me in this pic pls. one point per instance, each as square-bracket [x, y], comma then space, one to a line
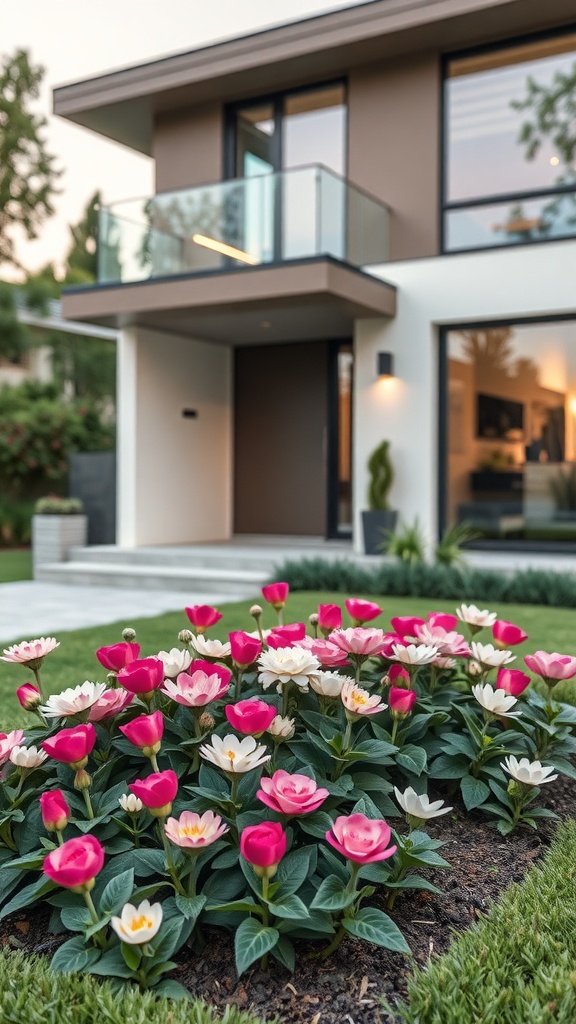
[192, 831]
[137, 923]
[359, 697]
[230, 754]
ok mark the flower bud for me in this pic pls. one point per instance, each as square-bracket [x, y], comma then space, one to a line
[129, 635]
[29, 696]
[82, 780]
[185, 636]
[313, 619]
[55, 810]
[255, 611]
[206, 721]
[130, 803]
[474, 669]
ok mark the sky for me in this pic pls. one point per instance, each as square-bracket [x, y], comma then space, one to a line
[73, 40]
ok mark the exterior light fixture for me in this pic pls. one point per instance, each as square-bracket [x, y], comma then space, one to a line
[385, 364]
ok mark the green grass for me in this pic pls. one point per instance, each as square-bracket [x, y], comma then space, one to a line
[518, 964]
[550, 629]
[31, 994]
[15, 565]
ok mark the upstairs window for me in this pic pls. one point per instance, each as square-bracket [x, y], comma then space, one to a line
[510, 145]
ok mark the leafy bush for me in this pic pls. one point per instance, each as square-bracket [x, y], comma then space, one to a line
[52, 505]
[407, 543]
[15, 523]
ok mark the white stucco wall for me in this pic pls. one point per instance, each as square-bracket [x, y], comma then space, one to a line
[524, 281]
[174, 473]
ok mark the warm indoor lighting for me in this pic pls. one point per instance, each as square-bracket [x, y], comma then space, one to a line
[554, 160]
[573, 405]
[226, 250]
[385, 364]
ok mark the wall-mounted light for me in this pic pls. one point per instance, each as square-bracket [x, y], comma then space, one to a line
[385, 364]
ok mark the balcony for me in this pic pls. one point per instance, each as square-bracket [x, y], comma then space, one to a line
[246, 222]
[283, 252]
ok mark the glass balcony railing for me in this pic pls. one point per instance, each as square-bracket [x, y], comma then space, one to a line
[271, 218]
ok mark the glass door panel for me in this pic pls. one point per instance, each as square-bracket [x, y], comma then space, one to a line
[256, 144]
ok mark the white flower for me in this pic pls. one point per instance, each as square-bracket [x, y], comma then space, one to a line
[27, 757]
[414, 654]
[130, 803]
[287, 665]
[210, 648]
[359, 701]
[137, 925]
[419, 806]
[73, 700]
[531, 773]
[474, 669]
[234, 755]
[30, 652]
[489, 656]
[497, 701]
[329, 684]
[175, 661]
[473, 616]
[282, 728]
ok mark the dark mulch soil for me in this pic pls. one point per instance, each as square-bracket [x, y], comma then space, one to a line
[347, 988]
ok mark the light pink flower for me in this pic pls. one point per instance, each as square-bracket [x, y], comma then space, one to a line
[361, 839]
[291, 794]
[30, 652]
[111, 703]
[327, 653]
[195, 690]
[357, 641]
[8, 742]
[359, 701]
[73, 700]
[449, 644]
[551, 666]
[194, 831]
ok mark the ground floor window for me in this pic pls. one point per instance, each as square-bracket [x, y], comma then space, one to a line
[509, 432]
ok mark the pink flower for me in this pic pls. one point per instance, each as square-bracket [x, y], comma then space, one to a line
[398, 672]
[449, 644]
[362, 611]
[29, 696]
[111, 703]
[76, 863]
[400, 701]
[198, 689]
[145, 732]
[327, 653]
[156, 792]
[71, 746]
[55, 810]
[276, 594]
[551, 666]
[405, 625]
[506, 634]
[202, 616]
[7, 743]
[390, 641]
[358, 642]
[245, 649]
[329, 617]
[211, 669]
[142, 676]
[291, 794]
[30, 652]
[250, 717]
[512, 681]
[447, 622]
[263, 846]
[358, 701]
[118, 656]
[361, 839]
[286, 636]
[194, 831]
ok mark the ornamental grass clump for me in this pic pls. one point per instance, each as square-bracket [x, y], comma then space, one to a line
[277, 785]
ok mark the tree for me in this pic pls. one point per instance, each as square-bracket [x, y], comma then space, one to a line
[81, 260]
[553, 109]
[27, 173]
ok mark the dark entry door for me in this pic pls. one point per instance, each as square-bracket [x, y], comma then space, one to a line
[281, 405]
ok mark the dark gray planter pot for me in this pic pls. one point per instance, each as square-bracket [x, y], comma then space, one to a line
[376, 525]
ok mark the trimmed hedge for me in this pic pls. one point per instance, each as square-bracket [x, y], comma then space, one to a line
[517, 964]
[446, 583]
[31, 994]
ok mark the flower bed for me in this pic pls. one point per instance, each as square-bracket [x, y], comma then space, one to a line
[247, 785]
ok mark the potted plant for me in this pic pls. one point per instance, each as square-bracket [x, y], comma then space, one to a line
[378, 519]
[58, 524]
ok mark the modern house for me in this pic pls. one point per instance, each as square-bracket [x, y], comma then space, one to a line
[387, 186]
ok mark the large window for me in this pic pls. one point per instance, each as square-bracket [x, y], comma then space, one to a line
[510, 145]
[511, 430]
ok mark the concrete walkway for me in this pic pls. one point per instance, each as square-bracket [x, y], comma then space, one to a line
[30, 609]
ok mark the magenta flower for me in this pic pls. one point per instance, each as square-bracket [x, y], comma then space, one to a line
[329, 617]
[250, 717]
[401, 701]
[71, 746]
[362, 611]
[361, 839]
[276, 594]
[447, 622]
[54, 810]
[398, 672]
[145, 732]
[142, 676]
[118, 656]
[512, 680]
[76, 863]
[245, 649]
[291, 794]
[196, 690]
[156, 791]
[263, 846]
[29, 696]
[202, 616]
[286, 636]
[405, 625]
[551, 667]
[357, 641]
[506, 634]
[211, 669]
[390, 641]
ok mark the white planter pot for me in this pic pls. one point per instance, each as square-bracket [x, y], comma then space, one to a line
[53, 536]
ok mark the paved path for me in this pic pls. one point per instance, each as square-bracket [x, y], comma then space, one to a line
[29, 609]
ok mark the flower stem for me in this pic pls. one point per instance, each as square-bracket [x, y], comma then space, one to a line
[238, 684]
[394, 731]
[154, 762]
[88, 803]
[36, 672]
[285, 699]
[169, 862]
[265, 917]
[99, 937]
[60, 838]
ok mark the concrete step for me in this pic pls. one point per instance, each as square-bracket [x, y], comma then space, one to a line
[186, 558]
[237, 583]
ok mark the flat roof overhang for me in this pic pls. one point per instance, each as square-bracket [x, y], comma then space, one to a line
[123, 104]
[305, 299]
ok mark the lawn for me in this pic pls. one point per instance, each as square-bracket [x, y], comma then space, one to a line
[550, 629]
[15, 565]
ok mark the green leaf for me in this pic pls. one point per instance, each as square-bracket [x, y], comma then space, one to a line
[251, 942]
[75, 919]
[283, 951]
[74, 956]
[445, 767]
[317, 824]
[294, 869]
[290, 907]
[171, 989]
[375, 926]
[112, 964]
[149, 862]
[474, 792]
[412, 759]
[190, 906]
[332, 895]
[28, 895]
[245, 906]
[117, 892]
[167, 940]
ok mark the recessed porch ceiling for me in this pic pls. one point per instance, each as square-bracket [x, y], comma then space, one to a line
[309, 299]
